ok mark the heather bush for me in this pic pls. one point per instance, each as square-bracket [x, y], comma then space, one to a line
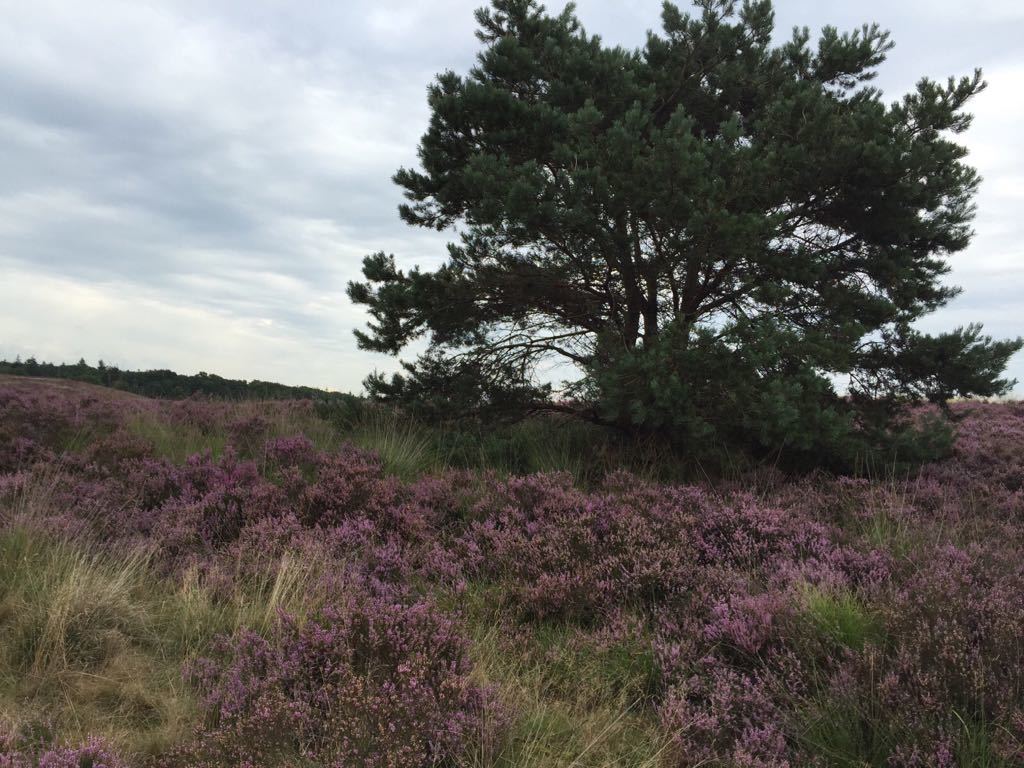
[37, 423]
[248, 434]
[955, 654]
[719, 714]
[110, 451]
[985, 478]
[213, 502]
[94, 753]
[287, 452]
[370, 681]
[569, 555]
[347, 484]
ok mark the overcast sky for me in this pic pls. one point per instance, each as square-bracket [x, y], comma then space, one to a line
[190, 184]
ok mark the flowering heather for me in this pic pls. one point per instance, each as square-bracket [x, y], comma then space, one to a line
[370, 681]
[92, 754]
[814, 621]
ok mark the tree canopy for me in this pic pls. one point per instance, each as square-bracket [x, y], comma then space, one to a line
[726, 238]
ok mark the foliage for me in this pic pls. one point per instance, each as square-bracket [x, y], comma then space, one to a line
[711, 231]
[438, 387]
[369, 681]
[92, 754]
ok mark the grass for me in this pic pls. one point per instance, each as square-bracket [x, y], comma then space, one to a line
[95, 645]
[975, 746]
[176, 441]
[406, 449]
[541, 443]
[576, 701]
[409, 449]
[843, 735]
[840, 617]
[84, 647]
[844, 732]
[847, 735]
[854, 733]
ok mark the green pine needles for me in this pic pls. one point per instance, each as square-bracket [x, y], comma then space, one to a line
[729, 241]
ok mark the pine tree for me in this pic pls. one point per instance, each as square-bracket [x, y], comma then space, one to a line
[730, 241]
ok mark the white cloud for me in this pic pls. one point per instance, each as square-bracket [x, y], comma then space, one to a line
[123, 325]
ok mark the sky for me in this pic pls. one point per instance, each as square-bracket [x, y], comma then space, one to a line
[190, 184]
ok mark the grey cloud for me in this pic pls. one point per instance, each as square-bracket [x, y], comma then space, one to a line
[220, 168]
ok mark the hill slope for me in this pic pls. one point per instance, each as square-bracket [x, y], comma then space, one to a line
[326, 612]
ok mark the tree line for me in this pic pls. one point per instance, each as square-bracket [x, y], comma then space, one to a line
[164, 383]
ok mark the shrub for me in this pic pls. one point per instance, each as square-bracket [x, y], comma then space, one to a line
[246, 435]
[93, 753]
[759, 621]
[565, 554]
[720, 715]
[956, 655]
[369, 682]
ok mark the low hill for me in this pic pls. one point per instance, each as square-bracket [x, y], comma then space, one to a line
[203, 582]
[165, 383]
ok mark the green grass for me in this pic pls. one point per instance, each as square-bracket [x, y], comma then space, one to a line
[843, 736]
[177, 441]
[840, 617]
[406, 449]
[575, 700]
[849, 734]
[975, 746]
[409, 449]
[858, 732]
[541, 443]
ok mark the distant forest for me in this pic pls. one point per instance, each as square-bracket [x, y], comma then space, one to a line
[166, 384]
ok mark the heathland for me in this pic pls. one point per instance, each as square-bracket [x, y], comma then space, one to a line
[260, 583]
